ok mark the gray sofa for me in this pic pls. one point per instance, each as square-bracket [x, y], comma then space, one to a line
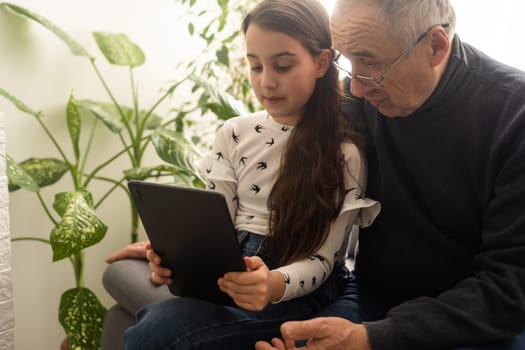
[127, 281]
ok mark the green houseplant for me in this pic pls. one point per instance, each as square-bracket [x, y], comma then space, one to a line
[76, 224]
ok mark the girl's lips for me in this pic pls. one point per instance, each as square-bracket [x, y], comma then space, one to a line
[272, 99]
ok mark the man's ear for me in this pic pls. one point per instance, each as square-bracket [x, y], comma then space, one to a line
[440, 46]
[324, 60]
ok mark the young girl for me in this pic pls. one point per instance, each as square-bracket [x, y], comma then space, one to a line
[294, 181]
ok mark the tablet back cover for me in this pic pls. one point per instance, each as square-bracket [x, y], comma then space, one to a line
[191, 230]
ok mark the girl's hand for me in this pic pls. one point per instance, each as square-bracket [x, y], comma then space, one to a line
[159, 274]
[254, 289]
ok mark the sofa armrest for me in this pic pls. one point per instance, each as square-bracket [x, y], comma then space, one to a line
[128, 282]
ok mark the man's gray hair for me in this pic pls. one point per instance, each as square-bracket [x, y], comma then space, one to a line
[408, 19]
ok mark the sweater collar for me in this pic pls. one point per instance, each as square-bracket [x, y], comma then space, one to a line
[450, 83]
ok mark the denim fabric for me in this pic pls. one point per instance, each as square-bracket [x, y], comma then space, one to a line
[254, 244]
[186, 323]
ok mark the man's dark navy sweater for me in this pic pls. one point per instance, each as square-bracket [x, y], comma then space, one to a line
[448, 248]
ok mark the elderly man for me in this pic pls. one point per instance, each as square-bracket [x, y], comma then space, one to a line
[443, 266]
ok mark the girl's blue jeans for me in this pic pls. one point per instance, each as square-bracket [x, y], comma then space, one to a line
[186, 323]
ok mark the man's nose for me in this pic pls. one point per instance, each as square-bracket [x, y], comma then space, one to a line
[359, 88]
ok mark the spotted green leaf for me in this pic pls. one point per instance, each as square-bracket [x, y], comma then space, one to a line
[73, 124]
[19, 178]
[79, 228]
[174, 148]
[19, 104]
[82, 315]
[105, 112]
[119, 50]
[44, 171]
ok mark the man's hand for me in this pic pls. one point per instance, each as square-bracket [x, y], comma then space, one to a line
[130, 251]
[142, 250]
[323, 333]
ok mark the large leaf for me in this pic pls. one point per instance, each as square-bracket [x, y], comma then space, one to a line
[19, 104]
[119, 50]
[82, 315]
[73, 45]
[141, 173]
[221, 103]
[74, 124]
[144, 173]
[108, 113]
[79, 227]
[44, 171]
[154, 120]
[63, 200]
[172, 147]
[19, 178]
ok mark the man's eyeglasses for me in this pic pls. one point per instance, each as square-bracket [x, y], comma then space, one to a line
[378, 82]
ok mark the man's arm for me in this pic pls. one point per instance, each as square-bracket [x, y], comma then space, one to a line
[490, 304]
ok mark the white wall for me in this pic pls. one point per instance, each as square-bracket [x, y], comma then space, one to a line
[7, 316]
[38, 68]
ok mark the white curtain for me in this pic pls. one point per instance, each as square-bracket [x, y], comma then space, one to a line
[7, 337]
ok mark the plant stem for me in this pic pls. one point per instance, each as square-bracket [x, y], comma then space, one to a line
[36, 239]
[43, 203]
[88, 147]
[78, 266]
[106, 163]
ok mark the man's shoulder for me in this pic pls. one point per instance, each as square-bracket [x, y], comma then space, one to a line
[496, 74]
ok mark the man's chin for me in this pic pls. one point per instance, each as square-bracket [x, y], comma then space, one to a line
[391, 111]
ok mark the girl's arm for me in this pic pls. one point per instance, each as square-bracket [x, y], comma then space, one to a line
[303, 277]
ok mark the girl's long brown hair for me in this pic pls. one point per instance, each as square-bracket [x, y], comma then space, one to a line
[309, 191]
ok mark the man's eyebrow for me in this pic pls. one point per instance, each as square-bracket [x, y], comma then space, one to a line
[361, 53]
[276, 55]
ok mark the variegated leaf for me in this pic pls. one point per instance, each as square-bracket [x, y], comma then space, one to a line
[154, 121]
[45, 171]
[73, 124]
[64, 199]
[19, 104]
[82, 315]
[119, 50]
[79, 228]
[19, 178]
[172, 147]
[106, 112]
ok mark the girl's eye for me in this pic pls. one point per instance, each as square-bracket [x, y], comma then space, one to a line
[256, 69]
[283, 68]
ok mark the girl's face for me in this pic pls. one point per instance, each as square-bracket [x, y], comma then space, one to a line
[282, 72]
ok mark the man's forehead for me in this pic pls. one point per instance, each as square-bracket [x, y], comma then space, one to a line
[360, 32]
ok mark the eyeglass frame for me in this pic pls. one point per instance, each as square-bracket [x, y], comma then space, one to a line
[378, 82]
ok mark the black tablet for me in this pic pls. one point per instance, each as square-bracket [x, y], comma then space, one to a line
[191, 230]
